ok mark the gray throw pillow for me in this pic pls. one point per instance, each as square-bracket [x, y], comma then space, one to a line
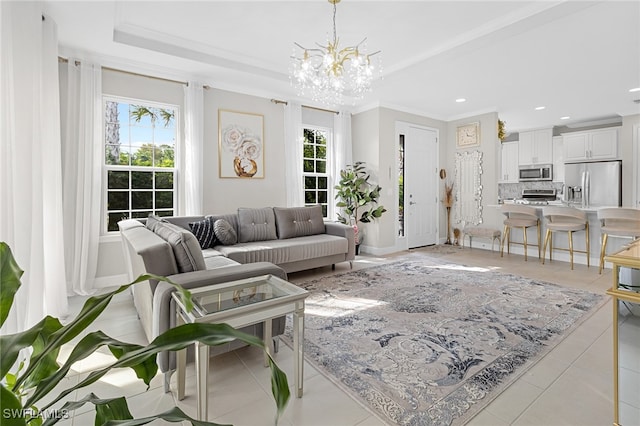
[184, 244]
[299, 221]
[225, 233]
[152, 220]
[256, 225]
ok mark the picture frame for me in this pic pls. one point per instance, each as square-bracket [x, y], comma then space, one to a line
[240, 145]
[468, 135]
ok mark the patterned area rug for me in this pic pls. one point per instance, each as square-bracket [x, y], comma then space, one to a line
[427, 343]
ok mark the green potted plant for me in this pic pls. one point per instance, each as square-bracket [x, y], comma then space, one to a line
[357, 197]
[25, 382]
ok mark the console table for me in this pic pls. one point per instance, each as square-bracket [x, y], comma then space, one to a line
[626, 330]
[238, 304]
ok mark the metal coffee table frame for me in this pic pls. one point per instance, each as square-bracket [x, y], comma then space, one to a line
[290, 299]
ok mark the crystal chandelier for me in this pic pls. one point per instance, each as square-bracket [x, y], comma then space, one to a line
[328, 72]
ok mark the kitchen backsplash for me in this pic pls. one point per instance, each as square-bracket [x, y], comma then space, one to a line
[510, 191]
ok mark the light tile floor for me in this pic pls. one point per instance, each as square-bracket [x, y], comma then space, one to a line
[572, 385]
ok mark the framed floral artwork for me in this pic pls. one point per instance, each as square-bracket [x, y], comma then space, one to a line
[240, 144]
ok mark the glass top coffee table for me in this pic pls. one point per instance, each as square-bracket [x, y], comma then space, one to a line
[239, 304]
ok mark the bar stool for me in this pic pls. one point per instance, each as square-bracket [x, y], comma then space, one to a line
[617, 222]
[564, 219]
[519, 216]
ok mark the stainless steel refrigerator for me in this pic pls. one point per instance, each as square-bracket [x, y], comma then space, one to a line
[594, 184]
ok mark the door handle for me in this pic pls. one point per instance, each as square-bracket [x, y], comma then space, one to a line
[411, 203]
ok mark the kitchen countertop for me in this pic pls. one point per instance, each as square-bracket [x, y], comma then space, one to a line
[590, 209]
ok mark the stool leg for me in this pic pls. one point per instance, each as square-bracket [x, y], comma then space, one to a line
[539, 245]
[544, 250]
[524, 233]
[602, 251]
[504, 236]
[571, 248]
[550, 247]
[586, 229]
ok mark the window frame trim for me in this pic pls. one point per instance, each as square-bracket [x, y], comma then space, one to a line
[329, 165]
[104, 232]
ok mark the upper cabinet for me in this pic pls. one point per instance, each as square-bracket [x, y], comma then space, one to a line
[535, 147]
[509, 171]
[591, 145]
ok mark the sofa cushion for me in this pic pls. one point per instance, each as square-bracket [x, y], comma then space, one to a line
[298, 221]
[184, 244]
[183, 221]
[225, 234]
[256, 225]
[203, 231]
[152, 220]
[282, 252]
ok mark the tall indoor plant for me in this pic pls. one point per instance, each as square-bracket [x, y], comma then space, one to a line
[357, 197]
[24, 383]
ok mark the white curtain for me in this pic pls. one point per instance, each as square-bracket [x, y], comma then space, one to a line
[293, 154]
[193, 144]
[81, 172]
[342, 147]
[31, 219]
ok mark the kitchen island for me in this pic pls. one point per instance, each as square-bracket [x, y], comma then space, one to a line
[613, 244]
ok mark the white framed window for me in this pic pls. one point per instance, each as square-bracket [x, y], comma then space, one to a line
[140, 142]
[315, 171]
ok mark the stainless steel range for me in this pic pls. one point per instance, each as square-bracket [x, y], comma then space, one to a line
[537, 197]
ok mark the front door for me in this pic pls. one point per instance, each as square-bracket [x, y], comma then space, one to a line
[421, 187]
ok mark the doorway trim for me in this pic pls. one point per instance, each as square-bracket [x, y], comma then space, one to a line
[401, 128]
[636, 161]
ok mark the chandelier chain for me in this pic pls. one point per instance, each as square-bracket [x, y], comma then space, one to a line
[334, 23]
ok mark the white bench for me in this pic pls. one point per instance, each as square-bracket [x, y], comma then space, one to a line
[477, 231]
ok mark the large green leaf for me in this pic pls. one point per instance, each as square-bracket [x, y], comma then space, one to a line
[178, 338]
[10, 274]
[89, 344]
[91, 309]
[12, 344]
[115, 411]
[11, 413]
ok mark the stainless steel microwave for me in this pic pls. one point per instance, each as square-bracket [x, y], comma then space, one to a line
[535, 172]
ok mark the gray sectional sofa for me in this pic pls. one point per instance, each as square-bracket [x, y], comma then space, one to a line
[227, 247]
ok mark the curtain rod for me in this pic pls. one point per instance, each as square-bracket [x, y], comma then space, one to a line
[65, 60]
[278, 101]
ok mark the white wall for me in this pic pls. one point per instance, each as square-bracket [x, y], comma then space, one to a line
[373, 133]
[626, 153]
[225, 195]
[374, 141]
[490, 149]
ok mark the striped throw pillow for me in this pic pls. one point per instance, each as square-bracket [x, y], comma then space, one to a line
[203, 230]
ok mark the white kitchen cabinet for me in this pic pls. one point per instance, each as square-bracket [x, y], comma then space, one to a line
[535, 147]
[601, 144]
[558, 159]
[509, 165]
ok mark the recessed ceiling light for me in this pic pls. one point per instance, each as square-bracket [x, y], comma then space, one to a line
[566, 117]
[635, 89]
[459, 100]
[540, 108]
